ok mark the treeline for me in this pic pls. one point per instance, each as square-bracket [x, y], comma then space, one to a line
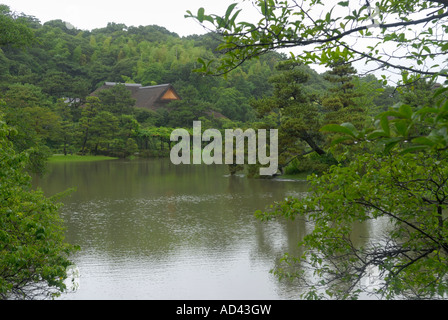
[68, 63]
[45, 86]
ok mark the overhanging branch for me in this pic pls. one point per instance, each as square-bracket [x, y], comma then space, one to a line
[244, 41]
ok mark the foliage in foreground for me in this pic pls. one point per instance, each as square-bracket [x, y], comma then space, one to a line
[33, 255]
[395, 178]
[394, 173]
[392, 193]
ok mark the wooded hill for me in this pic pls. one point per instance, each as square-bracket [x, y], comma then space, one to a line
[71, 63]
[43, 85]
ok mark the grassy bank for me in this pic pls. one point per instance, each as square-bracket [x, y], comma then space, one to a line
[298, 176]
[77, 158]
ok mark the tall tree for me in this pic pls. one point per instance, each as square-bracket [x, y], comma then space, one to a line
[14, 29]
[29, 111]
[117, 100]
[102, 131]
[66, 132]
[340, 104]
[34, 255]
[88, 113]
[293, 111]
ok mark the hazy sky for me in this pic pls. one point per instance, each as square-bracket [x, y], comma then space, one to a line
[91, 14]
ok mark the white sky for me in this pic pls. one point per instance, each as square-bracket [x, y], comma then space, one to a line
[91, 14]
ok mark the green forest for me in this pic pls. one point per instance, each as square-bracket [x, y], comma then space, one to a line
[372, 151]
[46, 83]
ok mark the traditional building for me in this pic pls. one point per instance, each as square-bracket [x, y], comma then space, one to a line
[151, 98]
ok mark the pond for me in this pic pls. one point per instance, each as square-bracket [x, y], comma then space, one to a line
[151, 230]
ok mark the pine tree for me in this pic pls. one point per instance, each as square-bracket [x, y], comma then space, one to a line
[339, 106]
[293, 111]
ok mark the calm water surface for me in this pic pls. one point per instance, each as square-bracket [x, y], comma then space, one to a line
[152, 230]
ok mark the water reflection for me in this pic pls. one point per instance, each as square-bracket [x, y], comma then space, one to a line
[152, 230]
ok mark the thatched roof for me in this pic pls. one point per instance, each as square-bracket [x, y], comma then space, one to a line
[152, 97]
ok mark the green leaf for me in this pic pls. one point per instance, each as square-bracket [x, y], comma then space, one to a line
[424, 141]
[209, 19]
[392, 113]
[339, 140]
[200, 16]
[220, 21]
[351, 127]
[205, 66]
[246, 24]
[391, 143]
[343, 3]
[413, 149]
[423, 111]
[232, 21]
[337, 129]
[402, 127]
[384, 122]
[406, 110]
[229, 10]
[202, 62]
[264, 8]
[377, 134]
[440, 91]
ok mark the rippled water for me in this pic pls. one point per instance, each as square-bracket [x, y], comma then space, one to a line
[152, 230]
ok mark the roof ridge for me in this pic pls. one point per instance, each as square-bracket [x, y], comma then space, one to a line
[126, 84]
[156, 86]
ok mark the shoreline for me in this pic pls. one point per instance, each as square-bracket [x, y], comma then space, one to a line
[77, 158]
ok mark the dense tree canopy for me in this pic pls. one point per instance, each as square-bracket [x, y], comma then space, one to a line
[52, 77]
[34, 257]
[13, 29]
[55, 74]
